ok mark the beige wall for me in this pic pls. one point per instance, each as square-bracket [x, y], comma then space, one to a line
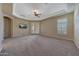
[16, 31]
[49, 27]
[7, 8]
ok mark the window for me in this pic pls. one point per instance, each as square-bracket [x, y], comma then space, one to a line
[62, 26]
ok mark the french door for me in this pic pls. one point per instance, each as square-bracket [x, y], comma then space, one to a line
[35, 28]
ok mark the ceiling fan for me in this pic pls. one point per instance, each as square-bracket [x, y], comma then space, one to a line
[36, 13]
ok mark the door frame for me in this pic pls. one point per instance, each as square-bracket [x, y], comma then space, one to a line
[11, 27]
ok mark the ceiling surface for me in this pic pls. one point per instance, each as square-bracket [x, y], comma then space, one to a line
[25, 10]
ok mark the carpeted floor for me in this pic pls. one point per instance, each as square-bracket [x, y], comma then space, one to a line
[35, 45]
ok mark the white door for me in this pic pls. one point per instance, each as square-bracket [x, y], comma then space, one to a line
[35, 28]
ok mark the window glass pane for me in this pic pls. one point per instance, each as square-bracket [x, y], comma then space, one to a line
[62, 26]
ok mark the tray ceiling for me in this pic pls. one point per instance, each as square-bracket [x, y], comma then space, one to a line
[25, 10]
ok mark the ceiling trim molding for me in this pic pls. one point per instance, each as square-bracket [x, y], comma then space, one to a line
[57, 13]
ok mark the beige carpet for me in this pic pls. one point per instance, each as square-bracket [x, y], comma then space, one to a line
[35, 45]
